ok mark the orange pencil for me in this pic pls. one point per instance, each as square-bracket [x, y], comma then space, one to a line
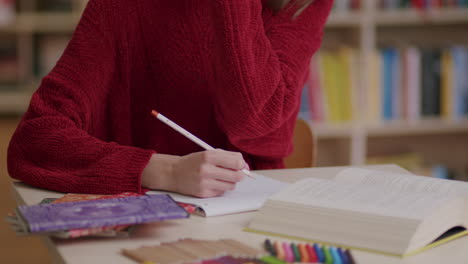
[304, 253]
[279, 251]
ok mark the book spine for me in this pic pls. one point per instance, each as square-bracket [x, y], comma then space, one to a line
[430, 83]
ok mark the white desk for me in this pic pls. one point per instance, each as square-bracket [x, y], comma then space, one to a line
[107, 250]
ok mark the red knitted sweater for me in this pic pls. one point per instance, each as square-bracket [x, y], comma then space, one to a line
[229, 71]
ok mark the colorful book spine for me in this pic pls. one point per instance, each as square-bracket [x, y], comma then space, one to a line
[346, 62]
[374, 93]
[403, 84]
[305, 110]
[446, 86]
[413, 69]
[460, 81]
[316, 98]
[332, 85]
[387, 83]
[421, 4]
[396, 85]
[430, 90]
[416, 83]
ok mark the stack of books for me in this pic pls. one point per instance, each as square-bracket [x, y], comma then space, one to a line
[331, 87]
[413, 83]
[404, 84]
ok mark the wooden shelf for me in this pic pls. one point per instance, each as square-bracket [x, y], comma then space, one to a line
[14, 102]
[427, 17]
[8, 79]
[344, 19]
[328, 131]
[421, 127]
[391, 128]
[43, 22]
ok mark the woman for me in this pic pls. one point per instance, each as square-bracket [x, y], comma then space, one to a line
[229, 71]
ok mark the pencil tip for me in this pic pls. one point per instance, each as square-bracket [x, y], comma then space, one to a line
[154, 113]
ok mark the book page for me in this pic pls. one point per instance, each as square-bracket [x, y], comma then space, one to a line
[249, 195]
[408, 182]
[361, 198]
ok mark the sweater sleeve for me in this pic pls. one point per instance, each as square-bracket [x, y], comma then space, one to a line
[260, 71]
[53, 146]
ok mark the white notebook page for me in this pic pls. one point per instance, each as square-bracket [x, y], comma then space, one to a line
[249, 195]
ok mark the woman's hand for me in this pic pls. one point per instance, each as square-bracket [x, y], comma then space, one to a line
[201, 174]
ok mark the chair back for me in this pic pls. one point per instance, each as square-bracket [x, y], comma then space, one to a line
[304, 143]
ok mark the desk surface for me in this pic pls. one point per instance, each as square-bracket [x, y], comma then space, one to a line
[107, 250]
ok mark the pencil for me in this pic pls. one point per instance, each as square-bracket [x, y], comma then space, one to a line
[189, 135]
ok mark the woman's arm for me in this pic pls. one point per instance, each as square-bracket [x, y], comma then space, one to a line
[260, 71]
[52, 147]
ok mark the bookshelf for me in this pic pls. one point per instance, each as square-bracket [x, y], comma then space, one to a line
[437, 140]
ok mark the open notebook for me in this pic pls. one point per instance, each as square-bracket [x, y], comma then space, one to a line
[249, 195]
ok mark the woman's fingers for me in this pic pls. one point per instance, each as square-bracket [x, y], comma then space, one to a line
[225, 159]
[208, 173]
[218, 173]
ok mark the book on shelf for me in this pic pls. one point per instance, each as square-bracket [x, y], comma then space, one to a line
[418, 83]
[430, 88]
[332, 85]
[395, 214]
[315, 97]
[427, 4]
[374, 94]
[459, 81]
[305, 110]
[405, 83]
[7, 12]
[411, 67]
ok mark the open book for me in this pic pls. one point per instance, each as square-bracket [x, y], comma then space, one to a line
[398, 214]
[249, 195]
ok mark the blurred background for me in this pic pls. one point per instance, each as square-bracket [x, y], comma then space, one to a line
[389, 85]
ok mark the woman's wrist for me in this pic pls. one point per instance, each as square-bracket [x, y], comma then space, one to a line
[158, 174]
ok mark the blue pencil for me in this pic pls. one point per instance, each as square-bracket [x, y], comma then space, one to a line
[336, 256]
[344, 258]
[319, 252]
